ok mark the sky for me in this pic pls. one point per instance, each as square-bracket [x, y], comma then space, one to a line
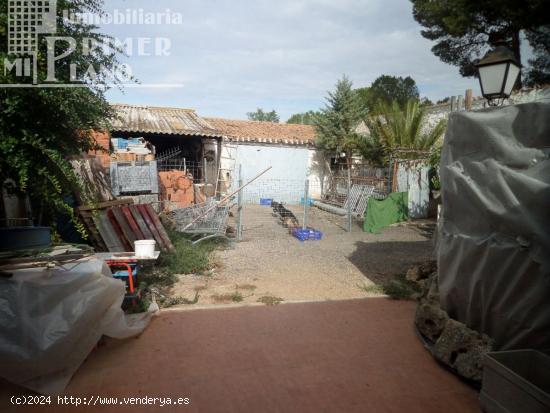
[235, 56]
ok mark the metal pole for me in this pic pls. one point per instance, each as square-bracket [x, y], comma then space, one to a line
[349, 200]
[240, 207]
[306, 203]
[205, 165]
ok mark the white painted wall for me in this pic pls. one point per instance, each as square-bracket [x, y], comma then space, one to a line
[318, 173]
[285, 182]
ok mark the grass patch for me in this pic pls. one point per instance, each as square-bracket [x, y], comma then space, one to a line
[235, 297]
[372, 289]
[187, 259]
[397, 289]
[270, 300]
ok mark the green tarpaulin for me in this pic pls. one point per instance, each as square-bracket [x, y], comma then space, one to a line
[391, 210]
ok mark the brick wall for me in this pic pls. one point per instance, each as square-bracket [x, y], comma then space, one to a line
[103, 139]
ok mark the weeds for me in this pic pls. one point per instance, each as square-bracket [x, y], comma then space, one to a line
[187, 259]
[172, 301]
[270, 300]
[235, 297]
[397, 289]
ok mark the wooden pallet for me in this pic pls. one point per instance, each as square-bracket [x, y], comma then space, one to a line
[114, 226]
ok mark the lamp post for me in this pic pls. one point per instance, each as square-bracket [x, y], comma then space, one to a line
[498, 72]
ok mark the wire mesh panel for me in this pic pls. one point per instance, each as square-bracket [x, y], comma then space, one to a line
[208, 219]
[263, 191]
[274, 207]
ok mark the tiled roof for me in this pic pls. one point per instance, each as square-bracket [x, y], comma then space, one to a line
[170, 121]
[264, 132]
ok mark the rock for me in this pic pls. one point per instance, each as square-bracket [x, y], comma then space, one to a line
[422, 272]
[413, 274]
[462, 349]
[428, 268]
[430, 319]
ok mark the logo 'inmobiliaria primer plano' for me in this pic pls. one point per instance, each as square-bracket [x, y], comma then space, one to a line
[29, 19]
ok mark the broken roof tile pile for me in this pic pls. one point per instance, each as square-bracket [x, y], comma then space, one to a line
[264, 132]
[171, 121]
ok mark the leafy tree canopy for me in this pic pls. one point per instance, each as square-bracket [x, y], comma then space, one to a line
[426, 102]
[262, 116]
[464, 30]
[386, 89]
[395, 127]
[42, 129]
[539, 71]
[307, 118]
[336, 126]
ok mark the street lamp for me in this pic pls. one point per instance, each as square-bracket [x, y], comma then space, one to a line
[498, 72]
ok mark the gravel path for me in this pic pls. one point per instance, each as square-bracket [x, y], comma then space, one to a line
[270, 262]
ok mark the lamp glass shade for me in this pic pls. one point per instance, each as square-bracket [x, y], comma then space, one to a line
[513, 73]
[491, 78]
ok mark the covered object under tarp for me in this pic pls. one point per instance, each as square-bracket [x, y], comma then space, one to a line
[52, 318]
[494, 234]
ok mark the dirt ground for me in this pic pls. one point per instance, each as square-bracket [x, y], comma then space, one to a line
[271, 263]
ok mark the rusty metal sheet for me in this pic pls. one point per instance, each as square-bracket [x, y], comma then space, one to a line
[172, 121]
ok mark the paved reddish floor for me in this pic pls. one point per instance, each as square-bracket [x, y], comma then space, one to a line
[345, 356]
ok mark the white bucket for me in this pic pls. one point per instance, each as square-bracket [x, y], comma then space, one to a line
[145, 248]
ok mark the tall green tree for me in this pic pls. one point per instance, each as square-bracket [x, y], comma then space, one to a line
[386, 89]
[464, 30]
[538, 72]
[41, 130]
[336, 126]
[262, 116]
[307, 118]
[395, 127]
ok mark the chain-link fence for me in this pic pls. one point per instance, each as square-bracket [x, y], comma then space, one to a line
[276, 207]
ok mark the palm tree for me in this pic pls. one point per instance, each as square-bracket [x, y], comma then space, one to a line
[401, 128]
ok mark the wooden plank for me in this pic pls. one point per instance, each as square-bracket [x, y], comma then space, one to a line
[105, 205]
[147, 234]
[160, 228]
[108, 233]
[126, 230]
[132, 222]
[152, 228]
[119, 232]
[93, 233]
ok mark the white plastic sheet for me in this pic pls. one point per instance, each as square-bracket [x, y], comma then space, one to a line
[494, 233]
[50, 321]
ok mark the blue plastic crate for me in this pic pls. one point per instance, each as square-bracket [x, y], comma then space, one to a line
[308, 234]
[309, 201]
[266, 201]
[123, 273]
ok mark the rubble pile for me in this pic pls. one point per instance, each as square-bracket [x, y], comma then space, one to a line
[450, 342]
